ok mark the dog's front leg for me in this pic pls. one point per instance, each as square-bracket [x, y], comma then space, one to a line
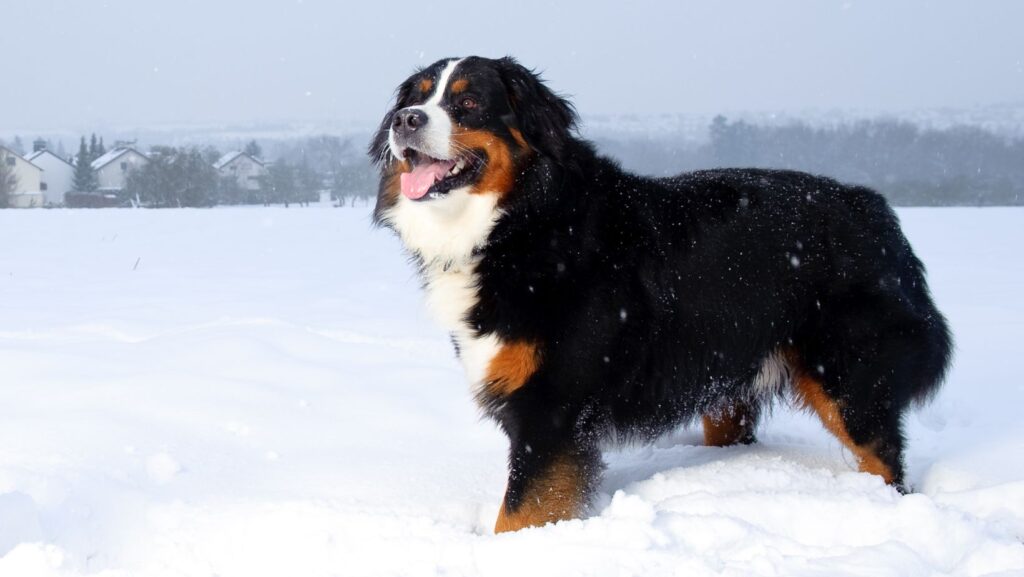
[547, 482]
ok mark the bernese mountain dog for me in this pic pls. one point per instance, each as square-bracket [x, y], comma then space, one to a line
[587, 303]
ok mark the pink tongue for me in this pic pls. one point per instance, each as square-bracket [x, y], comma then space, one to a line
[416, 183]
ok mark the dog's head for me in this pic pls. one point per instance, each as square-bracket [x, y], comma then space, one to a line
[460, 131]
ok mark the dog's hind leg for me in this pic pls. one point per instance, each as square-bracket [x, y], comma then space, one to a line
[873, 435]
[868, 361]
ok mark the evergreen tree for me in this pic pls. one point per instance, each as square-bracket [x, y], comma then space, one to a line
[18, 146]
[211, 154]
[230, 192]
[278, 185]
[253, 149]
[94, 148]
[8, 180]
[85, 176]
[101, 150]
[198, 179]
[308, 183]
[173, 178]
[354, 181]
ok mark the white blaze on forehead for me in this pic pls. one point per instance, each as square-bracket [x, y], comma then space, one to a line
[437, 133]
[442, 83]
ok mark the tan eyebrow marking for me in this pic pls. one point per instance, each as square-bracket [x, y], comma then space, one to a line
[426, 84]
[460, 85]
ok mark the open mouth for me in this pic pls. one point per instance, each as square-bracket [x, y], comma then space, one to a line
[432, 178]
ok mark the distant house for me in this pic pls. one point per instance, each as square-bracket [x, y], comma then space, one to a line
[245, 169]
[27, 191]
[112, 168]
[58, 175]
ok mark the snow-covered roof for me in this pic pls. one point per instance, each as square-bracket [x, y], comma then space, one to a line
[230, 157]
[13, 153]
[39, 153]
[112, 156]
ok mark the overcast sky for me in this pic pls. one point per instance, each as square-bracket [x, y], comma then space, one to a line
[83, 64]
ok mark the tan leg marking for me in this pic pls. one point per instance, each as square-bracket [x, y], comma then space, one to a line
[554, 496]
[813, 396]
[729, 427]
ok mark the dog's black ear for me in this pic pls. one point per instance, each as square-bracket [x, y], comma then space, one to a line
[378, 149]
[546, 120]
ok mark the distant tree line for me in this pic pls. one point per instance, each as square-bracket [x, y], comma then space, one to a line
[186, 177]
[910, 165]
[173, 177]
[340, 161]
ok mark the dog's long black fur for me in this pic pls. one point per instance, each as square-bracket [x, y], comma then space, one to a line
[654, 301]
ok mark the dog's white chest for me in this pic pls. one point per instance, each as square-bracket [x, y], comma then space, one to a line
[451, 295]
[442, 232]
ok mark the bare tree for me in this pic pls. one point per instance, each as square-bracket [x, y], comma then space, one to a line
[8, 180]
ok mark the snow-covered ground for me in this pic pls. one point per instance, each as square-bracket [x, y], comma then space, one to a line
[245, 392]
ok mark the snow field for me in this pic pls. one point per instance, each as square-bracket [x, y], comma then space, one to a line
[252, 391]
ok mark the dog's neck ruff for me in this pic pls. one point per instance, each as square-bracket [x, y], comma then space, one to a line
[446, 233]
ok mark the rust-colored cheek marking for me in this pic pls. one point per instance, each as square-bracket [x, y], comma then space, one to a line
[426, 84]
[556, 495]
[460, 85]
[814, 397]
[499, 174]
[511, 367]
[729, 427]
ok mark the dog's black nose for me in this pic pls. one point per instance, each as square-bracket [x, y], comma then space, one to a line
[409, 120]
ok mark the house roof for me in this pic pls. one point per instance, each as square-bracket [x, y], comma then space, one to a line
[12, 153]
[233, 156]
[112, 156]
[39, 153]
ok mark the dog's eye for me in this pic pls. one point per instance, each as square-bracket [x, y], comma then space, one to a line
[468, 103]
